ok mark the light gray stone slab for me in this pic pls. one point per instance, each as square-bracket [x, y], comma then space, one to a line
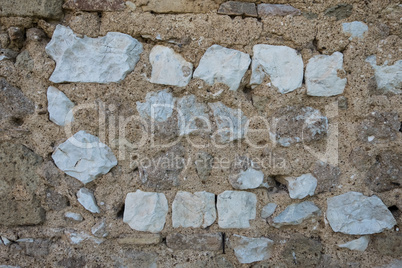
[190, 112]
[359, 244]
[295, 214]
[302, 186]
[87, 199]
[249, 250]
[236, 209]
[268, 210]
[59, 107]
[158, 106]
[388, 77]
[356, 29]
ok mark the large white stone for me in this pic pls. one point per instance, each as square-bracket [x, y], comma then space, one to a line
[302, 186]
[322, 75]
[84, 157]
[223, 65]
[169, 68]
[236, 209]
[190, 112]
[59, 107]
[95, 60]
[283, 65]
[356, 29]
[193, 210]
[356, 214]
[158, 106]
[388, 77]
[249, 179]
[296, 214]
[87, 200]
[268, 210]
[358, 244]
[231, 123]
[145, 211]
[249, 250]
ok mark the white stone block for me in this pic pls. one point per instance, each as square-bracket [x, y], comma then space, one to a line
[295, 214]
[73, 216]
[249, 250]
[236, 209]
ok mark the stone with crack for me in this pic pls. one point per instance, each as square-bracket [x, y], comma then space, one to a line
[84, 157]
[192, 115]
[356, 214]
[145, 211]
[59, 107]
[223, 65]
[359, 244]
[295, 214]
[169, 67]
[302, 186]
[193, 210]
[236, 209]
[282, 64]
[87, 199]
[94, 60]
[322, 77]
[249, 249]
[387, 77]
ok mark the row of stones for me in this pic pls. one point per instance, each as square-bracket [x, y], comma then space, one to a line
[110, 58]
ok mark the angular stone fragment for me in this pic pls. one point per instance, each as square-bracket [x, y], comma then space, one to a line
[283, 65]
[99, 229]
[358, 244]
[59, 107]
[356, 29]
[231, 123]
[386, 173]
[193, 210]
[302, 186]
[201, 242]
[157, 106]
[355, 214]
[77, 237]
[249, 250]
[203, 165]
[140, 239]
[387, 77]
[223, 65]
[169, 67]
[268, 210]
[296, 214]
[145, 211]
[73, 216]
[327, 176]
[192, 115]
[277, 10]
[95, 5]
[18, 185]
[236, 209]
[84, 157]
[322, 75]
[379, 127]
[87, 200]
[235, 8]
[298, 124]
[51, 9]
[98, 60]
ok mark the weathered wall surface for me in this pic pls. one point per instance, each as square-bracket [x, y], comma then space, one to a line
[200, 133]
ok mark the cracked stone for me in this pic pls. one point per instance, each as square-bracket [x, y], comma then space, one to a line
[84, 157]
[277, 10]
[359, 244]
[98, 60]
[87, 199]
[59, 107]
[295, 214]
[355, 214]
[236, 209]
[249, 250]
[387, 77]
[235, 8]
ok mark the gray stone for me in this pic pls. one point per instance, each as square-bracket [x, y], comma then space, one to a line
[295, 214]
[302, 186]
[301, 251]
[7, 54]
[268, 210]
[322, 75]
[223, 65]
[387, 77]
[341, 11]
[235, 8]
[283, 65]
[100, 229]
[236, 209]
[231, 123]
[355, 214]
[203, 165]
[77, 237]
[249, 250]
[356, 29]
[95, 5]
[145, 211]
[158, 106]
[73, 216]
[359, 244]
[277, 10]
[51, 9]
[298, 124]
[87, 199]
[18, 185]
[393, 264]
[84, 157]
[169, 67]
[327, 176]
[59, 107]
[192, 115]
[386, 173]
[193, 210]
[200, 242]
[98, 60]
[379, 127]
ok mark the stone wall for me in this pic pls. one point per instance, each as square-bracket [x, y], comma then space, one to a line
[195, 133]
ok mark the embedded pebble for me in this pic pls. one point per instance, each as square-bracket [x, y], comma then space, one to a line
[236, 209]
[87, 200]
[358, 244]
[277, 10]
[59, 107]
[295, 214]
[302, 186]
[99, 229]
[73, 216]
[268, 210]
[193, 115]
[249, 250]
[356, 29]
[158, 106]
[388, 77]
